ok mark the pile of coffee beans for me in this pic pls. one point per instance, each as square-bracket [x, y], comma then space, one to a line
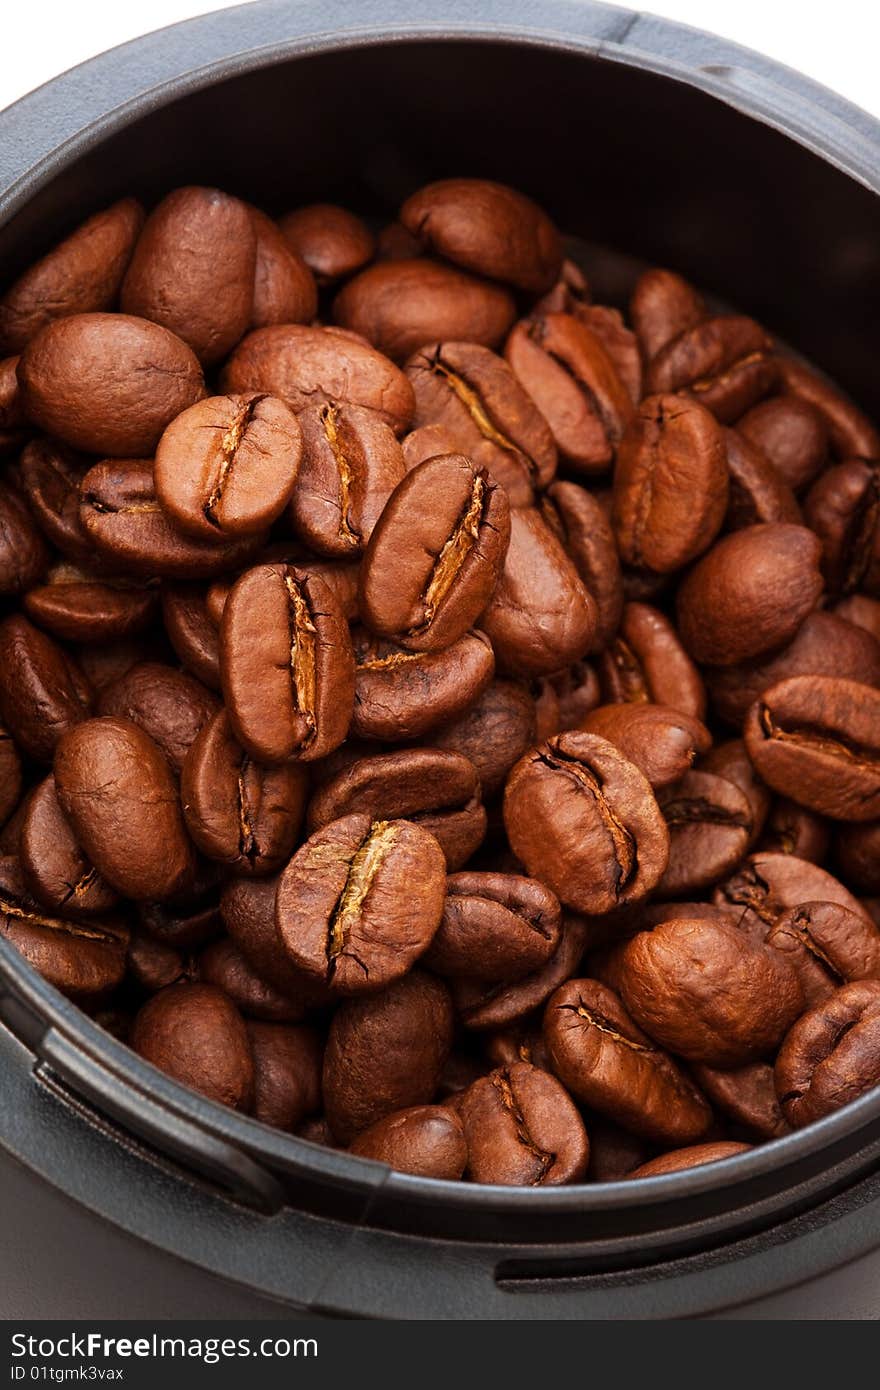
[441, 713]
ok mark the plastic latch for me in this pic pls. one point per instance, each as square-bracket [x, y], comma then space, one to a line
[102, 1094]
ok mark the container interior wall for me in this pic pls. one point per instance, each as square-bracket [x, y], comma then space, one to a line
[622, 157]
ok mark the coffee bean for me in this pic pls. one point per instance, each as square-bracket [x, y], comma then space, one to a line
[227, 466]
[827, 946]
[56, 869]
[307, 366]
[385, 1052]
[286, 664]
[248, 909]
[766, 884]
[493, 733]
[694, 1156]
[42, 693]
[222, 964]
[816, 739]
[284, 286]
[190, 631]
[171, 706]
[495, 927]
[400, 305]
[402, 695]
[153, 965]
[613, 1153]
[332, 241]
[51, 475]
[843, 508]
[731, 761]
[287, 1073]
[236, 811]
[351, 464]
[757, 493]
[662, 306]
[749, 593]
[580, 522]
[746, 1095]
[118, 792]
[647, 663]
[670, 484]
[792, 829]
[361, 901]
[662, 742]
[708, 993]
[437, 790]
[79, 605]
[567, 371]
[195, 1034]
[792, 435]
[107, 383]
[710, 828]
[435, 554]
[24, 557]
[483, 1005]
[584, 819]
[726, 363]
[604, 1059]
[83, 273]
[488, 228]
[13, 420]
[850, 432]
[832, 1054]
[83, 959]
[473, 402]
[522, 1128]
[857, 851]
[425, 1140]
[10, 775]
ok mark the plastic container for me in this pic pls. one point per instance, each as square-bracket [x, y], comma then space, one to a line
[125, 1195]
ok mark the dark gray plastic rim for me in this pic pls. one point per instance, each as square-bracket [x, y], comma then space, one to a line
[53, 126]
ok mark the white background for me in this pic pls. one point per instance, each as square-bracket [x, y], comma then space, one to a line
[835, 41]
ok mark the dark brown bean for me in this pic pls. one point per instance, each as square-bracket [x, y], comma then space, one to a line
[287, 1073]
[827, 946]
[401, 695]
[662, 306]
[42, 692]
[171, 706]
[522, 1128]
[425, 1140]
[284, 287]
[495, 927]
[332, 241]
[792, 435]
[483, 1005]
[222, 964]
[767, 884]
[832, 1054]
[351, 464]
[694, 1156]
[726, 363]
[661, 741]
[51, 475]
[53, 862]
[190, 631]
[195, 1034]
[580, 522]
[710, 829]
[492, 733]
[647, 663]
[24, 556]
[79, 605]
[757, 493]
[849, 430]
[843, 508]
[746, 1095]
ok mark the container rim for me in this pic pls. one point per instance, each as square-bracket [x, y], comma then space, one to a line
[47, 130]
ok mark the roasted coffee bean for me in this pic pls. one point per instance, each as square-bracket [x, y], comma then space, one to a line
[726, 363]
[332, 241]
[487, 228]
[10, 775]
[24, 556]
[83, 959]
[190, 918]
[361, 901]
[827, 946]
[483, 1005]
[522, 1128]
[227, 466]
[286, 664]
[385, 1052]
[708, 993]
[662, 306]
[541, 617]
[710, 829]
[861, 611]
[51, 475]
[731, 761]
[437, 790]
[402, 695]
[425, 1140]
[171, 706]
[191, 632]
[647, 663]
[670, 484]
[493, 732]
[694, 1156]
[54, 865]
[613, 1152]
[193, 270]
[850, 431]
[82, 606]
[435, 554]
[606, 1061]
[843, 508]
[767, 884]
[832, 1054]
[792, 829]
[816, 739]
[287, 1073]
[222, 964]
[351, 464]
[619, 342]
[857, 851]
[107, 383]
[236, 811]
[567, 371]
[583, 818]
[791, 434]
[661, 741]
[400, 305]
[474, 405]
[578, 693]
[42, 692]
[581, 524]
[749, 593]
[123, 518]
[248, 909]
[195, 1033]
[523, 1042]
[757, 493]
[118, 792]
[746, 1096]
[81, 274]
[154, 965]
[284, 287]
[824, 645]
[13, 421]
[307, 366]
[495, 927]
